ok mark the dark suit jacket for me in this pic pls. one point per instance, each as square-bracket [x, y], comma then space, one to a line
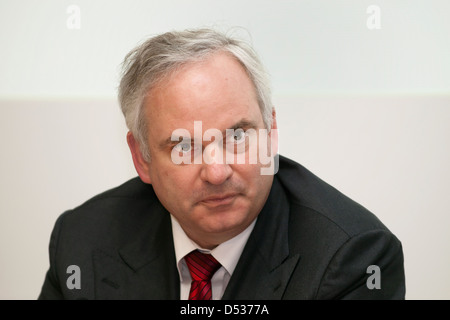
[310, 242]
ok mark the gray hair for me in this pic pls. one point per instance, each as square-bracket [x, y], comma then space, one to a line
[158, 57]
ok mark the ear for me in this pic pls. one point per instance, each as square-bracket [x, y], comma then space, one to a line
[142, 166]
[274, 133]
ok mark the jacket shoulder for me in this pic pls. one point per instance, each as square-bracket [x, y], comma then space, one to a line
[110, 216]
[337, 239]
[118, 200]
[131, 189]
[311, 195]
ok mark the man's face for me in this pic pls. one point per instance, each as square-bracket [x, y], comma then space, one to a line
[212, 201]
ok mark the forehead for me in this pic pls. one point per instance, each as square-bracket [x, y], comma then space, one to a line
[216, 91]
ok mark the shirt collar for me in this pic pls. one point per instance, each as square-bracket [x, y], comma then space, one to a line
[227, 253]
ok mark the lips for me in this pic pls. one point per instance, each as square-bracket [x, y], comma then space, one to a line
[219, 200]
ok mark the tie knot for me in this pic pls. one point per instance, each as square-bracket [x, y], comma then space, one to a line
[201, 266]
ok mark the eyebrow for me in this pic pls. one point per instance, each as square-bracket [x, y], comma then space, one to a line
[242, 124]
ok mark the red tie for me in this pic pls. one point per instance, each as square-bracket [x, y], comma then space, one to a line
[201, 267]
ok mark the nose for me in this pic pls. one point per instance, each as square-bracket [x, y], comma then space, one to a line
[216, 173]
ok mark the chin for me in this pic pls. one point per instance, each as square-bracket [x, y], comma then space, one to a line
[227, 222]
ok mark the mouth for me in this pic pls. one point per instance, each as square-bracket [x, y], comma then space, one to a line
[219, 200]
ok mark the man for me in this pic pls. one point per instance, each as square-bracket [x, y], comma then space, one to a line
[215, 213]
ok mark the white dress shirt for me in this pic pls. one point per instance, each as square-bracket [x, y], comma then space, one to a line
[227, 253]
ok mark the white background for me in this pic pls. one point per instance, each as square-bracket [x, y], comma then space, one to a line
[366, 110]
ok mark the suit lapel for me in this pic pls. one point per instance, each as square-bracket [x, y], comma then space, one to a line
[265, 266]
[144, 268]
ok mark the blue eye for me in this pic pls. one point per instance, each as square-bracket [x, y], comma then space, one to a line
[239, 136]
[183, 147]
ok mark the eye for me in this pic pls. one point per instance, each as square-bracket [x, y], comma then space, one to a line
[238, 136]
[183, 147]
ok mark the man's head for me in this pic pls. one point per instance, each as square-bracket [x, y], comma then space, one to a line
[175, 80]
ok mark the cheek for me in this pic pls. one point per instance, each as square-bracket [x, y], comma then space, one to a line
[250, 174]
[171, 183]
